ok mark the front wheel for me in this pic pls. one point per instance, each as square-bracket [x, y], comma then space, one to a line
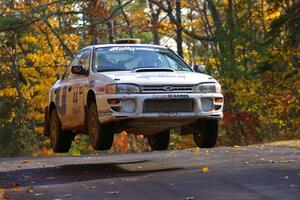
[206, 133]
[101, 136]
[159, 141]
[60, 140]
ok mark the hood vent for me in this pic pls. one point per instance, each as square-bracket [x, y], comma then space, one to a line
[154, 70]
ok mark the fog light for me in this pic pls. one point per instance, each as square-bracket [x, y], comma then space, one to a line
[113, 101]
[206, 104]
[217, 107]
[128, 105]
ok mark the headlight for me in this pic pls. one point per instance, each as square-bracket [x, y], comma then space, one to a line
[208, 88]
[122, 89]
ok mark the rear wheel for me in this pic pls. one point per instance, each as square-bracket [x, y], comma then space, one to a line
[206, 133]
[159, 141]
[101, 136]
[60, 140]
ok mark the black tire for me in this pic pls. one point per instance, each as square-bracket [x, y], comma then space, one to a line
[60, 140]
[159, 141]
[206, 134]
[101, 136]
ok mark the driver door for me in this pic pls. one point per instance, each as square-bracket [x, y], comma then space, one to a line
[76, 92]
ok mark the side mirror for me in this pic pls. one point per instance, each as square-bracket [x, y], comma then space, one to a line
[78, 69]
[199, 68]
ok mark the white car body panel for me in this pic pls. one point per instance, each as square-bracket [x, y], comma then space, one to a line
[73, 93]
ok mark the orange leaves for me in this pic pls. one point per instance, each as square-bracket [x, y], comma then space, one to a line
[121, 142]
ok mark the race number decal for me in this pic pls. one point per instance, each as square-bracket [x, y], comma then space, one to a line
[75, 98]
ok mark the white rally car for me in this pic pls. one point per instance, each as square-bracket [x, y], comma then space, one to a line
[142, 89]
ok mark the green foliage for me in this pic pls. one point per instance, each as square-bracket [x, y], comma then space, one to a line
[10, 23]
[17, 136]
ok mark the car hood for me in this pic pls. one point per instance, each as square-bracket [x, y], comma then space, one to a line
[158, 78]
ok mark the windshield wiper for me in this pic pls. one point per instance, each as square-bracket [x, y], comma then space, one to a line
[111, 69]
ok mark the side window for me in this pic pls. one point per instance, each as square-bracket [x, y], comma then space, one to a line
[82, 58]
[85, 59]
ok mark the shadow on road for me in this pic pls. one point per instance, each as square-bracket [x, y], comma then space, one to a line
[74, 173]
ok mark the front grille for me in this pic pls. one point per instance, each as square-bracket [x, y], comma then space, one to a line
[168, 106]
[167, 88]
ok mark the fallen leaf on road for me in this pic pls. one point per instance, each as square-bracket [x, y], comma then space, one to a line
[17, 189]
[29, 191]
[197, 151]
[285, 177]
[189, 198]
[284, 161]
[205, 169]
[67, 195]
[2, 194]
[236, 148]
[113, 192]
[50, 177]
[25, 161]
[131, 179]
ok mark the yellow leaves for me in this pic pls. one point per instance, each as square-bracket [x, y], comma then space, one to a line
[204, 169]
[273, 15]
[29, 39]
[9, 92]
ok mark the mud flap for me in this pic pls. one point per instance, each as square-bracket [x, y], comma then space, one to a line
[46, 122]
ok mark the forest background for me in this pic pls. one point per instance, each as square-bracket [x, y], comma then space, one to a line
[251, 46]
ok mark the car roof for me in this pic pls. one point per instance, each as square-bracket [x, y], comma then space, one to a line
[126, 45]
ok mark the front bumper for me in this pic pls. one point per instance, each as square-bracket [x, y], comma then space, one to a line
[112, 107]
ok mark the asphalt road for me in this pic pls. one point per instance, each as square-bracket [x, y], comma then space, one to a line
[221, 173]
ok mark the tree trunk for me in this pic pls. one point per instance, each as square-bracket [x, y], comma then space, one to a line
[179, 39]
[154, 21]
[110, 27]
[220, 35]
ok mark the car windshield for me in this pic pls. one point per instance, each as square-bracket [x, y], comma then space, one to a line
[128, 58]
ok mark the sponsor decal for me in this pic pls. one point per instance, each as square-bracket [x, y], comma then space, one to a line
[178, 96]
[161, 76]
[171, 96]
[173, 115]
[132, 49]
[61, 106]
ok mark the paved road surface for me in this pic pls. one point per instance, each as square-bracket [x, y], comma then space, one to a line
[221, 173]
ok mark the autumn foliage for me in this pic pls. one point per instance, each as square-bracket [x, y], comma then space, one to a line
[252, 47]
